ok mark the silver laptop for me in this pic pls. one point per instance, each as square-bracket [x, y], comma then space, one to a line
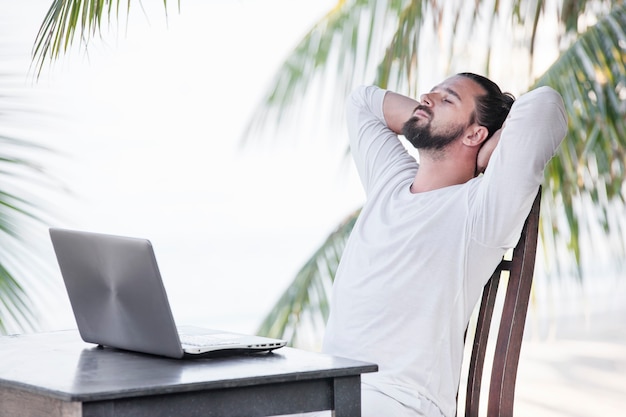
[119, 300]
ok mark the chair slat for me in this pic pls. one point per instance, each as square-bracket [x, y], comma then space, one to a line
[511, 329]
[479, 348]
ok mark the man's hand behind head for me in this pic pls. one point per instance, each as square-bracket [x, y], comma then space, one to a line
[484, 154]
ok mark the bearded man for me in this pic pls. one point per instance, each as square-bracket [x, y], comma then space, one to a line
[431, 233]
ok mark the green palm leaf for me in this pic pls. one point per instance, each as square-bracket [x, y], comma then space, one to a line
[335, 48]
[17, 211]
[306, 299]
[68, 19]
[377, 41]
[587, 176]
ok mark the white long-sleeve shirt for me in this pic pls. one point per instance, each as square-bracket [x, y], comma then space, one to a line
[415, 264]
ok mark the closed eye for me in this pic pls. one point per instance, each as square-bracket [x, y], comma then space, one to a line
[447, 92]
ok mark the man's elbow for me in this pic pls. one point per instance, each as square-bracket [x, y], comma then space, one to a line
[553, 109]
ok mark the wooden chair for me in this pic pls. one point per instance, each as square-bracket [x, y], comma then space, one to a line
[520, 270]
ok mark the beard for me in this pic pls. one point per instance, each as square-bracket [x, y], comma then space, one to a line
[423, 137]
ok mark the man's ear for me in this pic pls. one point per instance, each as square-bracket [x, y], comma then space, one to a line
[475, 135]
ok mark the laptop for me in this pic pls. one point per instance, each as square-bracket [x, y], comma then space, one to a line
[118, 299]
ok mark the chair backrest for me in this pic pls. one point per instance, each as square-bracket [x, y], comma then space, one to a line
[520, 270]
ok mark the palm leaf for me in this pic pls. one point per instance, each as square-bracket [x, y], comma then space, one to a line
[18, 210]
[67, 20]
[305, 302]
[353, 44]
[23, 272]
[15, 307]
[587, 176]
[336, 48]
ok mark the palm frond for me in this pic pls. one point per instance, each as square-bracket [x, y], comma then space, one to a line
[16, 309]
[342, 46]
[60, 26]
[587, 176]
[383, 42]
[401, 56]
[23, 271]
[19, 260]
[305, 302]
[67, 20]
[16, 210]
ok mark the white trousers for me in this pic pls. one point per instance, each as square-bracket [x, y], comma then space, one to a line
[376, 404]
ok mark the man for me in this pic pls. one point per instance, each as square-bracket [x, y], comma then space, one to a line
[430, 234]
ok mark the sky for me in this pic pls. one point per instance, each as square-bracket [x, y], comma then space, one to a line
[147, 127]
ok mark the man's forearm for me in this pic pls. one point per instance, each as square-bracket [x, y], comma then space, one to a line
[397, 109]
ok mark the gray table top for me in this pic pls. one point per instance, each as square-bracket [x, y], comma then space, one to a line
[60, 365]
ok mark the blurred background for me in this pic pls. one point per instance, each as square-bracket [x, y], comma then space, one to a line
[214, 129]
[144, 137]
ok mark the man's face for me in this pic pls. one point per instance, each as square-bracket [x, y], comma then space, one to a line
[443, 114]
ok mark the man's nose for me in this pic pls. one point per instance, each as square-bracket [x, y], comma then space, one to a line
[426, 100]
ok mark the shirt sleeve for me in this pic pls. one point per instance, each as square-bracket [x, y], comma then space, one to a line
[533, 131]
[376, 149]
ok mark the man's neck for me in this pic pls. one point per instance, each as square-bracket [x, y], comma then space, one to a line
[439, 172]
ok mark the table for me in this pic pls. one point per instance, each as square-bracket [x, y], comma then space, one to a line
[57, 374]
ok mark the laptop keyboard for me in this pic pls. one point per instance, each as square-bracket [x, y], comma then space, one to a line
[205, 340]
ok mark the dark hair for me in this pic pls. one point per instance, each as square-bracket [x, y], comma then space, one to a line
[493, 107]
